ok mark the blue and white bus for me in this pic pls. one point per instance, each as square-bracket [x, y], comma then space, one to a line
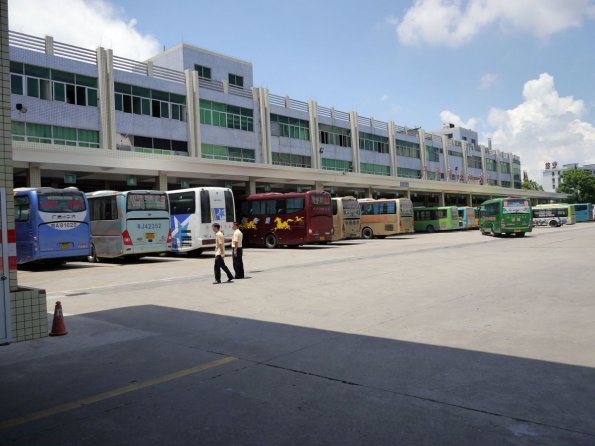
[193, 211]
[128, 224]
[51, 224]
[583, 211]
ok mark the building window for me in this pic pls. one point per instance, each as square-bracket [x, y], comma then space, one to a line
[407, 149]
[211, 151]
[224, 115]
[475, 162]
[374, 169]
[337, 136]
[236, 80]
[48, 134]
[290, 127]
[156, 146]
[374, 143]
[53, 85]
[340, 165]
[203, 72]
[288, 159]
[408, 173]
[491, 165]
[433, 154]
[144, 101]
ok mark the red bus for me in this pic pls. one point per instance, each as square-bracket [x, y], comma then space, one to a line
[274, 219]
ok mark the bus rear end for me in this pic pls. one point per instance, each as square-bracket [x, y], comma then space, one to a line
[63, 230]
[319, 217]
[515, 217]
[147, 223]
[405, 216]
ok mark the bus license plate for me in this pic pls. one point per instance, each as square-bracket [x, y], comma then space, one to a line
[322, 237]
[150, 235]
[65, 245]
[517, 230]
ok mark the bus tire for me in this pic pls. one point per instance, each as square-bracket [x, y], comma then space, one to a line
[520, 234]
[195, 253]
[492, 233]
[270, 241]
[430, 228]
[93, 257]
[367, 233]
[554, 224]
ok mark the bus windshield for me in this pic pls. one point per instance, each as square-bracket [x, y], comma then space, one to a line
[320, 199]
[518, 206]
[59, 203]
[146, 202]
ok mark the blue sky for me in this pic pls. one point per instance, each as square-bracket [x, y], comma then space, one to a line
[518, 71]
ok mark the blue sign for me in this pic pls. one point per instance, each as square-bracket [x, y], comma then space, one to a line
[219, 213]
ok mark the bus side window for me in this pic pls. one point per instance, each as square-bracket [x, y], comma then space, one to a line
[270, 207]
[281, 206]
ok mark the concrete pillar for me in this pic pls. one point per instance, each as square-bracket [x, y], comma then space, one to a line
[445, 155]
[162, 181]
[470, 200]
[354, 141]
[422, 154]
[106, 101]
[465, 162]
[442, 199]
[261, 96]
[315, 155]
[392, 151]
[369, 192]
[193, 113]
[318, 185]
[251, 186]
[484, 172]
[34, 176]
[498, 172]
[49, 45]
[408, 194]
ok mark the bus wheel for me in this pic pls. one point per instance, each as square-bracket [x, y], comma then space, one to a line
[367, 233]
[93, 257]
[492, 233]
[520, 234]
[553, 224]
[195, 253]
[430, 228]
[270, 241]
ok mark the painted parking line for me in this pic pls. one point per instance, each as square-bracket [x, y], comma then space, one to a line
[112, 393]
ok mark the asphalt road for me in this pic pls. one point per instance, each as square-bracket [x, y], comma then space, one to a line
[446, 338]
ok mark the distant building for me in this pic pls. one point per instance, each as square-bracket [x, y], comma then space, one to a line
[552, 174]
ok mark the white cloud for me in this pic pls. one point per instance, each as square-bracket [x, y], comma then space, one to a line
[84, 23]
[487, 80]
[384, 98]
[455, 22]
[448, 117]
[544, 127]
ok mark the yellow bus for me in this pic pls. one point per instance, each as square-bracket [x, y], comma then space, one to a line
[346, 218]
[384, 217]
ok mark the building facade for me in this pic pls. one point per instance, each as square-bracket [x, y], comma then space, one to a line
[190, 117]
[552, 174]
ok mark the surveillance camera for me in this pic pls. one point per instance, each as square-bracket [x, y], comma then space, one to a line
[321, 150]
[21, 108]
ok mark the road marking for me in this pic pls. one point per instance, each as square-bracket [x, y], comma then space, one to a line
[112, 393]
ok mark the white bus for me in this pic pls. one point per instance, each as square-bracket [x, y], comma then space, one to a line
[346, 218]
[132, 223]
[193, 211]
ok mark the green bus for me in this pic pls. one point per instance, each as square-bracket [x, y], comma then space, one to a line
[443, 218]
[505, 216]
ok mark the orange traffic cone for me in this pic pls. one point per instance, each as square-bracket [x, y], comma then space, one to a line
[58, 327]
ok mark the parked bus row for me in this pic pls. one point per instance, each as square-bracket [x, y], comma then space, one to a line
[64, 224]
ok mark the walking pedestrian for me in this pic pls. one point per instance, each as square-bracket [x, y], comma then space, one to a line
[220, 254]
[236, 243]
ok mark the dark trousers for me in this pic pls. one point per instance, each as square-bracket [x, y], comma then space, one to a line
[220, 265]
[238, 264]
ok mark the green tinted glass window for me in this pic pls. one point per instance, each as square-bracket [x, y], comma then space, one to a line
[63, 76]
[16, 84]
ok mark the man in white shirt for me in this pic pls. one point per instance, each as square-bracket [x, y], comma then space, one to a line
[236, 243]
[220, 254]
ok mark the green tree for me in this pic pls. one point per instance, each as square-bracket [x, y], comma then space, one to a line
[531, 185]
[579, 185]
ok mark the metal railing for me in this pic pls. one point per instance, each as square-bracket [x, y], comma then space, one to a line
[75, 53]
[169, 74]
[20, 40]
